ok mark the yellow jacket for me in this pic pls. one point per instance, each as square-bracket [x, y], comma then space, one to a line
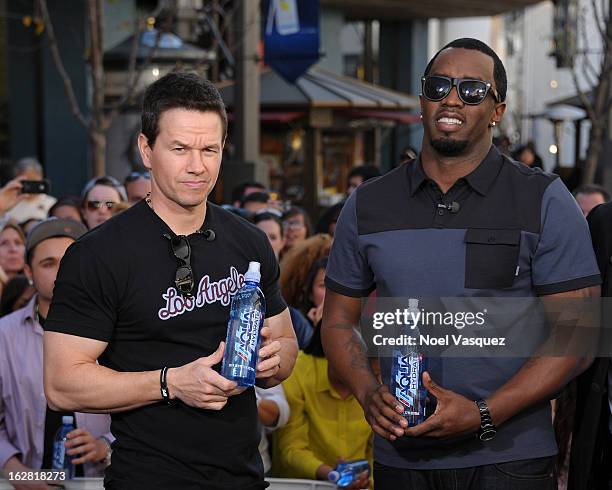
[322, 427]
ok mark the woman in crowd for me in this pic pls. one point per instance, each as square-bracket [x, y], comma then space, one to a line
[296, 264]
[298, 227]
[99, 197]
[326, 423]
[271, 225]
[12, 249]
[314, 292]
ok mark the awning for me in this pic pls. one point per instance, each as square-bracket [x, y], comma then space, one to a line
[573, 100]
[276, 116]
[402, 117]
[398, 10]
[323, 89]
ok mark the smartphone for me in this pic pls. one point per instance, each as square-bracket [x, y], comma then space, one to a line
[35, 186]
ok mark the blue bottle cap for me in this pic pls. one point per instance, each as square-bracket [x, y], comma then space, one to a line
[333, 476]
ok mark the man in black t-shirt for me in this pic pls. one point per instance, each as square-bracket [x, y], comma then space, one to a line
[150, 289]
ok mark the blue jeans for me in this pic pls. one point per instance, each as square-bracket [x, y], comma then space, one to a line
[527, 474]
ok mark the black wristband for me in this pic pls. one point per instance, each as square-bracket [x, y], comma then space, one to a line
[165, 393]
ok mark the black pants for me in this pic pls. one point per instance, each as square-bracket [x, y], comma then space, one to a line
[528, 474]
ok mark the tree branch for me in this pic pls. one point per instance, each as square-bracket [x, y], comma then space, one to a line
[583, 97]
[94, 12]
[598, 20]
[135, 71]
[59, 65]
[590, 71]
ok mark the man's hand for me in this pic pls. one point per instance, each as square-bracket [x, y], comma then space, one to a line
[268, 412]
[14, 465]
[269, 358]
[384, 413]
[83, 444]
[362, 481]
[197, 384]
[455, 415]
[315, 314]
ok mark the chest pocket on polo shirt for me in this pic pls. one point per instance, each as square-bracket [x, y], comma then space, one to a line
[491, 258]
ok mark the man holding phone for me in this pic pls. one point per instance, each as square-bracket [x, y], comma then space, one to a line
[37, 203]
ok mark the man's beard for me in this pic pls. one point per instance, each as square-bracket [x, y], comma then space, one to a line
[449, 147]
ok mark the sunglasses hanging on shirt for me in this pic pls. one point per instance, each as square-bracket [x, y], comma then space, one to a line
[183, 278]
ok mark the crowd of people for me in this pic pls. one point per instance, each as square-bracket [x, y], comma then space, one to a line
[331, 407]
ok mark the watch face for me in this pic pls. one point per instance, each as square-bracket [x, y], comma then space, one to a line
[487, 434]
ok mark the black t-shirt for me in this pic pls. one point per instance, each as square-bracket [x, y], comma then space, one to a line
[116, 284]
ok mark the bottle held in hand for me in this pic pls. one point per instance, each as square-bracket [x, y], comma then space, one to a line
[406, 381]
[61, 460]
[344, 474]
[247, 312]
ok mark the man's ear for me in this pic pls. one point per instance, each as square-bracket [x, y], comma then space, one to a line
[145, 150]
[500, 109]
[27, 270]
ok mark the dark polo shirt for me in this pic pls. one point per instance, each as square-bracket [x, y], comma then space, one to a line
[518, 233]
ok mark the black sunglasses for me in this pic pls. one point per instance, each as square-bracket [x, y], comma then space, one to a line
[93, 205]
[469, 90]
[183, 278]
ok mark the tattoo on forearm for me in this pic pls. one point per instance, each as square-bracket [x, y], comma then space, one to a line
[355, 348]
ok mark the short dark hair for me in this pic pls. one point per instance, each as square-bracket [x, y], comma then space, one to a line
[268, 216]
[179, 90]
[366, 172]
[592, 189]
[72, 201]
[238, 191]
[499, 72]
[261, 197]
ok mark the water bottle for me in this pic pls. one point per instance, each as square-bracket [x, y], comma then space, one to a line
[406, 381]
[247, 313]
[61, 461]
[346, 473]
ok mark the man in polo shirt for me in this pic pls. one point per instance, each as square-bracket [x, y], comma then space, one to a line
[460, 221]
[27, 425]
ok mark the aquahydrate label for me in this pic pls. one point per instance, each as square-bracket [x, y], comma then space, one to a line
[246, 337]
[406, 378]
